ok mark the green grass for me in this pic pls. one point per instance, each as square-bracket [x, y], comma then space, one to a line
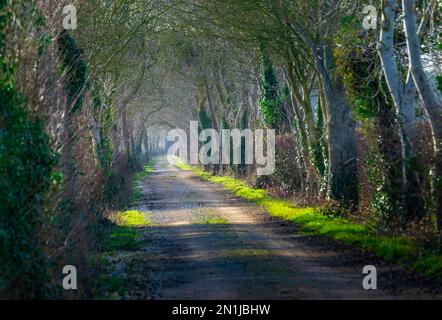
[120, 238]
[112, 287]
[429, 266]
[133, 218]
[123, 234]
[137, 192]
[147, 170]
[400, 249]
[212, 221]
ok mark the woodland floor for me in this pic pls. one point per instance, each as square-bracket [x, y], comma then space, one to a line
[205, 243]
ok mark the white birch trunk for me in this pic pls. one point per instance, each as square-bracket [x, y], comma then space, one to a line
[431, 102]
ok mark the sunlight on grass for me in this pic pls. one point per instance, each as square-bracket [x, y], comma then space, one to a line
[147, 170]
[133, 218]
[123, 234]
[137, 192]
[212, 220]
[311, 221]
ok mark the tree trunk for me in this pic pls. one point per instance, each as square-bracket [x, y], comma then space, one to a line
[211, 106]
[341, 134]
[302, 136]
[127, 138]
[431, 101]
[403, 96]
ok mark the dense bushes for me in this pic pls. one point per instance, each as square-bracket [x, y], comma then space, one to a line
[26, 162]
[75, 69]
[271, 102]
[382, 159]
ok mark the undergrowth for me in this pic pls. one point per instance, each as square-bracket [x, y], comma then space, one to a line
[137, 192]
[122, 236]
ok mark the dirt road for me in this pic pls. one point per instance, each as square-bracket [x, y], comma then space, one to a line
[208, 244]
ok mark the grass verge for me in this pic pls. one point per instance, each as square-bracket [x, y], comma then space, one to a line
[400, 249]
[147, 170]
[122, 234]
[121, 237]
[137, 192]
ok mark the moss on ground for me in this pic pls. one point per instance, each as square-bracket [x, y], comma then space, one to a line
[134, 218]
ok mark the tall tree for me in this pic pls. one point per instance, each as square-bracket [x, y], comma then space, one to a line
[432, 103]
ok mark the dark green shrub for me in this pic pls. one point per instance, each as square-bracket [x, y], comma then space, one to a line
[270, 103]
[26, 162]
[75, 67]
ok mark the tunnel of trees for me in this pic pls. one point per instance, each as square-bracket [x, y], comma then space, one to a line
[357, 112]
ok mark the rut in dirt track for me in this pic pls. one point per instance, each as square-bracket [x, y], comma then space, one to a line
[208, 244]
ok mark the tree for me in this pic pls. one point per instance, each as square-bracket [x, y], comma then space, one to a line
[432, 103]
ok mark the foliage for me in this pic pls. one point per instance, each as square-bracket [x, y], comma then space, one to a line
[120, 238]
[147, 170]
[105, 114]
[137, 192]
[357, 61]
[318, 150]
[439, 83]
[44, 72]
[439, 47]
[271, 102]
[288, 177]
[121, 235]
[26, 162]
[75, 67]
[205, 121]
